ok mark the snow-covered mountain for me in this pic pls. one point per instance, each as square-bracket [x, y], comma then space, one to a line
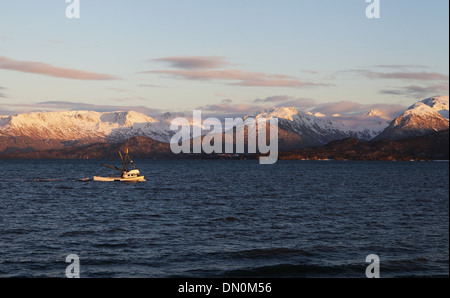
[50, 130]
[86, 125]
[319, 129]
[426, 116]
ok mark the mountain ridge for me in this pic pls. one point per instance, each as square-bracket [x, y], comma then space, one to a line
[434, 146]
[297, 129]
[423, 117]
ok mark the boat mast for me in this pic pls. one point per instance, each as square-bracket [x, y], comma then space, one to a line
[123, 162]
[129, 160]
[126, 159]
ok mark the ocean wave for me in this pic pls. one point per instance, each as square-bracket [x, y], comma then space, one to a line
[286, 270]
[270, 252]
[397, 268]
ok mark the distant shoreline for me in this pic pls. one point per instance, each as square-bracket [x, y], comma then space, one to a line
[227, 159]
[433, 146]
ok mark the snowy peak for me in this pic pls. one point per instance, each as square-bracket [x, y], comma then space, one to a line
[170, 116]
[420, 110]
[320, 115]
[127, 119]
[375, 114]
[318, 129]
[287, 113]
[52, 125]
[440, 104]
[430, 107]
[426, 116]
[437, 102]
[76, 118]
[78, 125]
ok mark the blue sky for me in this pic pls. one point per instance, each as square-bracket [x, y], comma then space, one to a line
[221, 56]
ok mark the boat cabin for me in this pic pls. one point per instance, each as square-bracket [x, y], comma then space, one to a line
[131, 174]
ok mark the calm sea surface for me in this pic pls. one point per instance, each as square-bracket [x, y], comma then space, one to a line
[198, 218]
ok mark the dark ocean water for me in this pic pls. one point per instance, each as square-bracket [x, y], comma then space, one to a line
[225, 219]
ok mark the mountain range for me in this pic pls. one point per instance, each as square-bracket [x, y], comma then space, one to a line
[72, 130]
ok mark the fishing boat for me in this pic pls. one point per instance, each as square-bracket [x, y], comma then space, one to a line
[129, 171]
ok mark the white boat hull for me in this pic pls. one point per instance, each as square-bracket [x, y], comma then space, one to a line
[132, 175]
[120, 179]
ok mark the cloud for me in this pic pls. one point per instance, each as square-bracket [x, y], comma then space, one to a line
[194, 62]
[345, 108]
[300, 103]
[287, 101]
[2, 95]
[353, 108]
[211, 68]
[73, 106]
[341, 107]
[348, 109]
[391, 111]
[49, 70]
[118, 90]
[312, 72]
[331, 108]
[150, 86]
[222, 110]
[241, 77]
[401, 66]
[405, 75]
[127, 99]
[49, 106]
[420, 76]
[284, 99]
[226, 107]
[418, 91]
[270, 99]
